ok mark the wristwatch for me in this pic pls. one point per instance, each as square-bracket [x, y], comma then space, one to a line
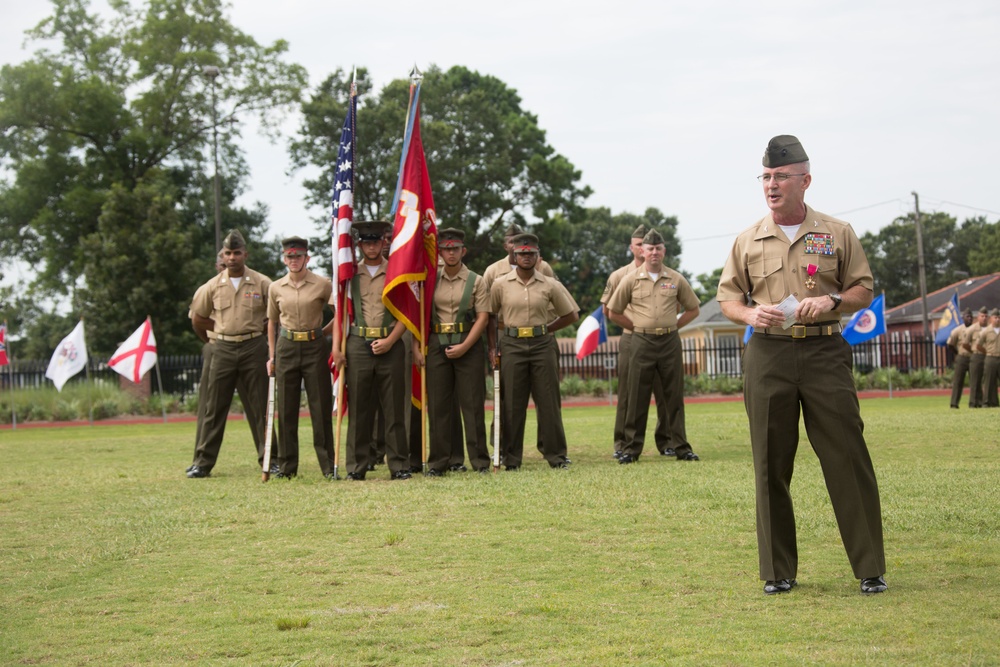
[836, 298]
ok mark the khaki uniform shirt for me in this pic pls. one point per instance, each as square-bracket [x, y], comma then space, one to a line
[613, 281]
[448, 295]
[502, 267]
[370, 286]
[990, 339]
[299, 308]
[766, 265]
[197, 295]
[654, 303]
[972, 338]
[955, 339]
[528, 305]
[234, 311]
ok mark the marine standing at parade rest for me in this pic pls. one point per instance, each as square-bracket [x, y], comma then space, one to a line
[956, 341]
[661, 301]
[233, 305]
[977, 359]
[455, 359]
[206, 358]
[799, 266]
[375, 363]
[989, 341]
[523, 299]
[662, 432]
[297, 355]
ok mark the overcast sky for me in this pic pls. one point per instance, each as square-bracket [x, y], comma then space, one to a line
[671, 104]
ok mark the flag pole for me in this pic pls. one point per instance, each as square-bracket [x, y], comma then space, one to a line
[89, 380]
[423, 378]
[159, 378]
[10, 374]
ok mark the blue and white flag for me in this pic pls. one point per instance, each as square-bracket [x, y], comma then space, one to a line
[592, 332]
[867, 323]
[949, 320]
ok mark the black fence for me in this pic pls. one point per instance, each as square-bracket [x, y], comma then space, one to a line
[180, 374]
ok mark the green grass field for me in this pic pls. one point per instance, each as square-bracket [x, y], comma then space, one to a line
[110, 556]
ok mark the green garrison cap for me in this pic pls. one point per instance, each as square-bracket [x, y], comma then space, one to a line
[653, 237]
[640, 232]
[525, 243]
[234, 240]
[995, 312]
[293, 243]
[784, 149]
[967, 311]
[513, 230]
[451, 238]
[371, 230]
[983, 310]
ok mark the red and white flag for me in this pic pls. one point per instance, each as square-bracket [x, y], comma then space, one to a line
[3, 345]
[137, 354]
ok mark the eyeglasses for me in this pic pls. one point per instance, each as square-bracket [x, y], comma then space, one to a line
[781, 178]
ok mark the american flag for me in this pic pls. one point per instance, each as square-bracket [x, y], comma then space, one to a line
[343, 208]
[3, 344]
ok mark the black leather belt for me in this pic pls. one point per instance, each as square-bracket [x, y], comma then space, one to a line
[526, 332]
[803, 331]
[301, 336]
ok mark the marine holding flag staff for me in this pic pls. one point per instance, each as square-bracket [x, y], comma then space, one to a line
[374, 363]
[233, 306]
[799, 266]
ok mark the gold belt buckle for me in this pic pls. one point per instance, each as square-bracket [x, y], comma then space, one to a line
[372, 332]
[525, 332]
[448, 328]
[299, 336]
[798, 331]
[659, 331]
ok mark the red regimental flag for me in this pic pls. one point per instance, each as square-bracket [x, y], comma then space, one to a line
[3, 345]
[413, 254]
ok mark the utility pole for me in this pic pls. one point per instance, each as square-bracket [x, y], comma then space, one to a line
[212, 72]
[921, 271]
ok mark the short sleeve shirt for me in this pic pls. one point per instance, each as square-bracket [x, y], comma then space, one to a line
[955, 339]
[653, 303]
[299, 307]
[529, 304]
[825, 256]
[370, 286]
[449, 290]
[235, 311]
[613, 281]
[990, 340]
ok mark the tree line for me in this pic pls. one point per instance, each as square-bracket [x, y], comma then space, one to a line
[106, 145]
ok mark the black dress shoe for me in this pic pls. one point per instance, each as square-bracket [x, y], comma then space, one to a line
[401, 474]
[284, 475]
[356, 476]
[617, 455]
[669, 451]
[431, 472]
[779, 586]
[688, 456]
[189, 469]
[483, 471]
[512, 468]
[414, 470]
[873, 585]
[625, 459]
[274, 469]
[458, 467]
[371, 467]
[195, 472]
[562, 465]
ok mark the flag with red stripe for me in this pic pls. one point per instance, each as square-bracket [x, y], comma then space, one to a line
[137, 354]
[413, 253]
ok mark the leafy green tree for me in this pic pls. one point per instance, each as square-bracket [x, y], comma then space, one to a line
[116, 120]
[488, 159]
[706, 285]
[584, 253]
[983, 249]
[892, 253]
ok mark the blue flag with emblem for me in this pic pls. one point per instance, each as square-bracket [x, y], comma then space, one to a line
[867, 323]
[949, 320]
